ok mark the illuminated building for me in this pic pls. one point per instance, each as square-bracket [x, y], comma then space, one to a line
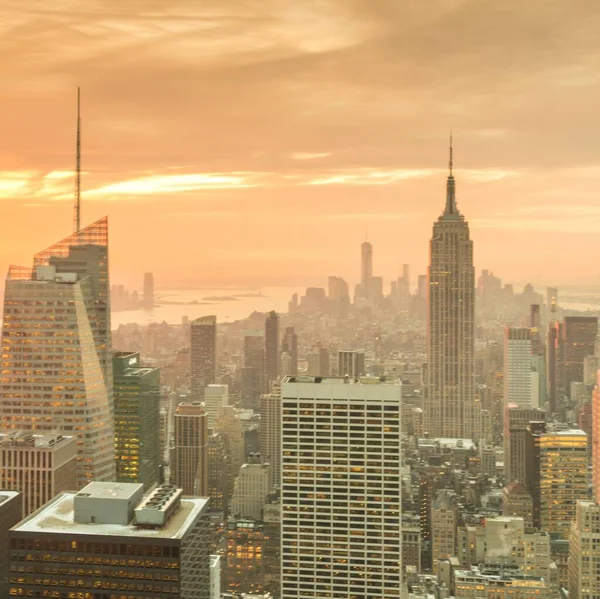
[137, 420]
[580, 341]
[272, 355]
[243, 571]
[340, 488]
[449, 400]
[109, 540]
[218, 473]
[289, 345]
[56, 358]
[516, 423]
[11, 512]
[39, 466]
[518, 388]
[596, 441]
[584, 552]
[251, 490]
[560, 478]
[351, 362]
[272, 546]
[203, 354]
[189, 455]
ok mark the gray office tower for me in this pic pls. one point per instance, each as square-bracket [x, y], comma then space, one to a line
[203, 355]
[57, 360]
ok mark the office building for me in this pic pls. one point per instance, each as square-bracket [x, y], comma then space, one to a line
[109, 540]
[318, 361]
[148, 295]
[218, 473]
[272, 349]
[272, 546]
[11, 512]
[449, 400]
[351, 362]
[289, 346]
[215, 577]
[243, 567]
[253, 372]
[203, 355]
[366, 264]
[38, 465]
[229, 425]
[559, 479]
[596, 441]
[270, 433]
[580, 342]
[62, 380]
[538, 357]
[189, 456]
[443, 526]
[137, 420]
[584, 552]
[518, 387]
[215, 396]
[251, 490]
[497, 583]
[343, 538]
[516, 424]
[517, 502]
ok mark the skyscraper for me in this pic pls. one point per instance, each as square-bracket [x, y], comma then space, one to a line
[351, 362]
[189, 461]
[253, 373]
[148, 297]
[289, 345]
[580, 341]
[57, 361]
[584, 552]
[272, 356]
[450, 409]
[366, 266]
[518, 388]
[270, 432]
[343, 538]
[137, 420]
[596, 441]
[203, 354]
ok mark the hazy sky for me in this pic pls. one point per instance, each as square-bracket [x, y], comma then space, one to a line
[252, 141]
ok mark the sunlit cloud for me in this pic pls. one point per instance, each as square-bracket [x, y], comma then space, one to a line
[371, 177]
[310, 155]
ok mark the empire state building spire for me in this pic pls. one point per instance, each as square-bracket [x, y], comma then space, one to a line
[451, 208]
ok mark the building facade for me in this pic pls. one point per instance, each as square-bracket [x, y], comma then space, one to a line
[351, 362]
[340, 488]
[518, 388]
[272, 349]
[203, 355]
[584, 552]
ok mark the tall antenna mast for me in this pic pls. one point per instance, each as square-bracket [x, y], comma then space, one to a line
[77, 214]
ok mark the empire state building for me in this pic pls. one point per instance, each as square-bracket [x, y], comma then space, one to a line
[450, 409]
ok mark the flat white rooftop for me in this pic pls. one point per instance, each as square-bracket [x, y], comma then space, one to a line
[57, 517]
[340, 388]
[110, 490]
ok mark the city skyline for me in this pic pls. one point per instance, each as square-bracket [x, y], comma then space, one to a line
[301, 142]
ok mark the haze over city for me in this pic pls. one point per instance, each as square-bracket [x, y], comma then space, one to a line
[253, 143]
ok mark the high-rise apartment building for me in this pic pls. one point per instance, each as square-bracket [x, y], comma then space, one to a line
[189, 456]
[584, 552]
[351, 362]
[137, 420]
[148, 295]
[518, 383]
[272, 349]
[449, 401]
[57, 360]
[580, 341]
[559, 479]
[340, 488]
[289, 346]
[270, 433]
[39, 466]
[203, 354]
[110, 541]
[516, 424]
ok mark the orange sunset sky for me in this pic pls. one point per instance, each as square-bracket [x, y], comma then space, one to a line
[253, 141]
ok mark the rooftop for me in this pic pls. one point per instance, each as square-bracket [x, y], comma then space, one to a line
[110, 490]
[6, 495]
[18, 438]
[56, 517]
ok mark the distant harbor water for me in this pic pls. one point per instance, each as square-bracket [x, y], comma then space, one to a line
[237, 303]
[228, 305]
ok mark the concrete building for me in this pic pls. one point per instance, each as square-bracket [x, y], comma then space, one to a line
[411, 543]
[584, 552]
[189, 456]
[39, 466]
[229, 425]
[517, 502]
[272, 349]
[203, 355]
[11, 512]
[218, 474]
[449, 401]
[289, 346]
[65, 294]
[153, 546]
[351, 362]
[518, 385]
[270, 432]
[251, 490]
[596, 440]
[215, 577]
[253, 372]
[443, 526]
[318, 361]
[137, 420]
[215, 396]
[347, 433]
[243, 565]
[580, 340]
